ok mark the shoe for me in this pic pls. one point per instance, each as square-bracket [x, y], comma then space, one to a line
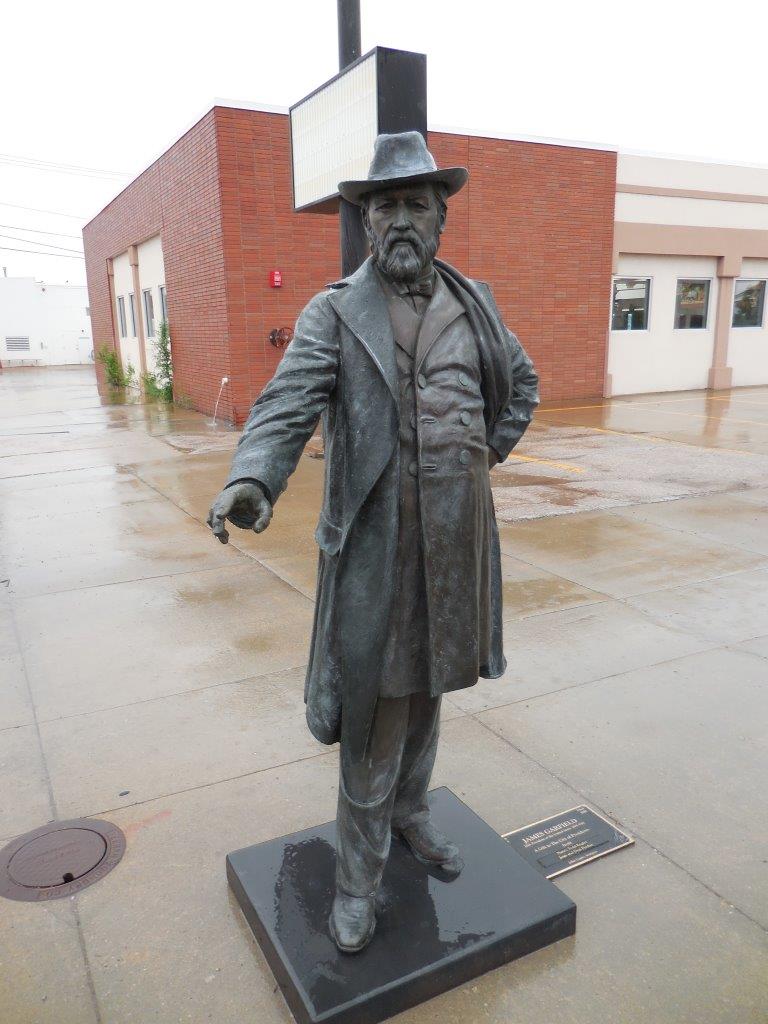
[429, 846]
[352, 921]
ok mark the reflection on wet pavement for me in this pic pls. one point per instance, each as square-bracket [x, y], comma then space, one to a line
[155, 676]
[627, 451]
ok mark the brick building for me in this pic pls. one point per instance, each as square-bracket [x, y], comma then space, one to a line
[547, 224]
[535, 220]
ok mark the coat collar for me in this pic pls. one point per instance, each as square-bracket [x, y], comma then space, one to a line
[442, 310]
[360, 302]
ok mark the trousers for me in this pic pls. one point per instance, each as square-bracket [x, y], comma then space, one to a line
[384, 789]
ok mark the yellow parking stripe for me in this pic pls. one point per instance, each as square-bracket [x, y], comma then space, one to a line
[724, 422]
[654, 437]
[619, 403]
[611, 404]
[671, 412]
[738, 400]
[555, 465]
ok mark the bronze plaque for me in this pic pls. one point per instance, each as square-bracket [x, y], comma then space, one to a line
[567, 840]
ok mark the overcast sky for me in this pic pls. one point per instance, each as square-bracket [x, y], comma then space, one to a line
[109, 87]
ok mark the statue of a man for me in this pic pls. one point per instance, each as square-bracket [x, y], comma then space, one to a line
[422, 389]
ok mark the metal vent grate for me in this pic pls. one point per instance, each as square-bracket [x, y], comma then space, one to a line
[17, 344]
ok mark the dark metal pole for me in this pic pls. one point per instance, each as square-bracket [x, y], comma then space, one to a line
[352, 238]
[349, 31]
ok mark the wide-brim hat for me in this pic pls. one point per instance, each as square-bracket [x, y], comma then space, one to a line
[402, 159]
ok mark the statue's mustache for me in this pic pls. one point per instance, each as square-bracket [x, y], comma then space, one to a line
[392, 240]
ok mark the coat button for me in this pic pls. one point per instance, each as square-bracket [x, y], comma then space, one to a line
[421, 380]
[464, 380]
[413, 469]
[465, 418]
[464, 457]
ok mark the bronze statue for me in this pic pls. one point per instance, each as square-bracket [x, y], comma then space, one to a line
[422, 389]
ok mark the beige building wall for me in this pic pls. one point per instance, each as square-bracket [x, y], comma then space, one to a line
[715, 213]
[136, 271]
[672, 216]
[662, 357]
[129, 346]
[748, 346]
[690, 175]
[151, 277]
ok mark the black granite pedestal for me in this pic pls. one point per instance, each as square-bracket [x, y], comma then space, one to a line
[431, 934]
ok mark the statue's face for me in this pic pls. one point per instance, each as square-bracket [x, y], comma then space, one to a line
[403, 227]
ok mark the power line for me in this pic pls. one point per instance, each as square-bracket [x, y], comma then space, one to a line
[77, 174]
[37, 231]
[61, 164]
[34, 252]
[61, 168]
[31, 241]
[58, 165]
[54, 213]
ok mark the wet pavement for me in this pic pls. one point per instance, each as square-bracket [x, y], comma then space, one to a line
[153, 677]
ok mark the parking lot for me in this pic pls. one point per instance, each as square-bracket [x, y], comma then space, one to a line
[153, 677]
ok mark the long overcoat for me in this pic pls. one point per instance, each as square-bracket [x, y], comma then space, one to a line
[341, 365]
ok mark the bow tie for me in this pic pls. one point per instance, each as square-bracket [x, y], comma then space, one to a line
[425, 286]
[421, 287]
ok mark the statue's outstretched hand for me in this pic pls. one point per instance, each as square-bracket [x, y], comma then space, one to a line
[245, 504]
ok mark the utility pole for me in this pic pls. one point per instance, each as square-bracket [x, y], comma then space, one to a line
[352, 237]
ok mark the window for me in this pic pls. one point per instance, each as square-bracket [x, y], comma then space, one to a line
[163, 303]
[149, 312]
[748, 303]
[132, 310]
[121, 316]
[691, 305]
[630, 303]
[17, 344]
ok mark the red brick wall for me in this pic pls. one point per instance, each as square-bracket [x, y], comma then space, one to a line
[179, 198]
[262, 233]
[535, 221]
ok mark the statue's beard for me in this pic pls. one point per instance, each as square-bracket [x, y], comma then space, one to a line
[404, 257]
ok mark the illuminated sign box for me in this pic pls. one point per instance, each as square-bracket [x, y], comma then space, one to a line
[333, 129]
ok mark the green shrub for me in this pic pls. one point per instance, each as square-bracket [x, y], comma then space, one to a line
[150, 386]
[159, 385]
[163, 375]
[116, 377]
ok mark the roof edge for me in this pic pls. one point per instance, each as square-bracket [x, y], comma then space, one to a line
[476, 133]
[151, 164]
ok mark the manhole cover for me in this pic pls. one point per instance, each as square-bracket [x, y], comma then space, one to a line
[59, 859]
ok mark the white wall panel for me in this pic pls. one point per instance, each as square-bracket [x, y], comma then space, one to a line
[748, 346]
[663, 358]
[710, 213]
[53, 317]
[698, 175]
[129, 346]
[151, 275]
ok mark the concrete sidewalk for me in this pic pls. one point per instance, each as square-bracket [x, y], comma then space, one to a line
[153, 677]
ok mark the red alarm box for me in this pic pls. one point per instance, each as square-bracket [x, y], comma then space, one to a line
[275, 279]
